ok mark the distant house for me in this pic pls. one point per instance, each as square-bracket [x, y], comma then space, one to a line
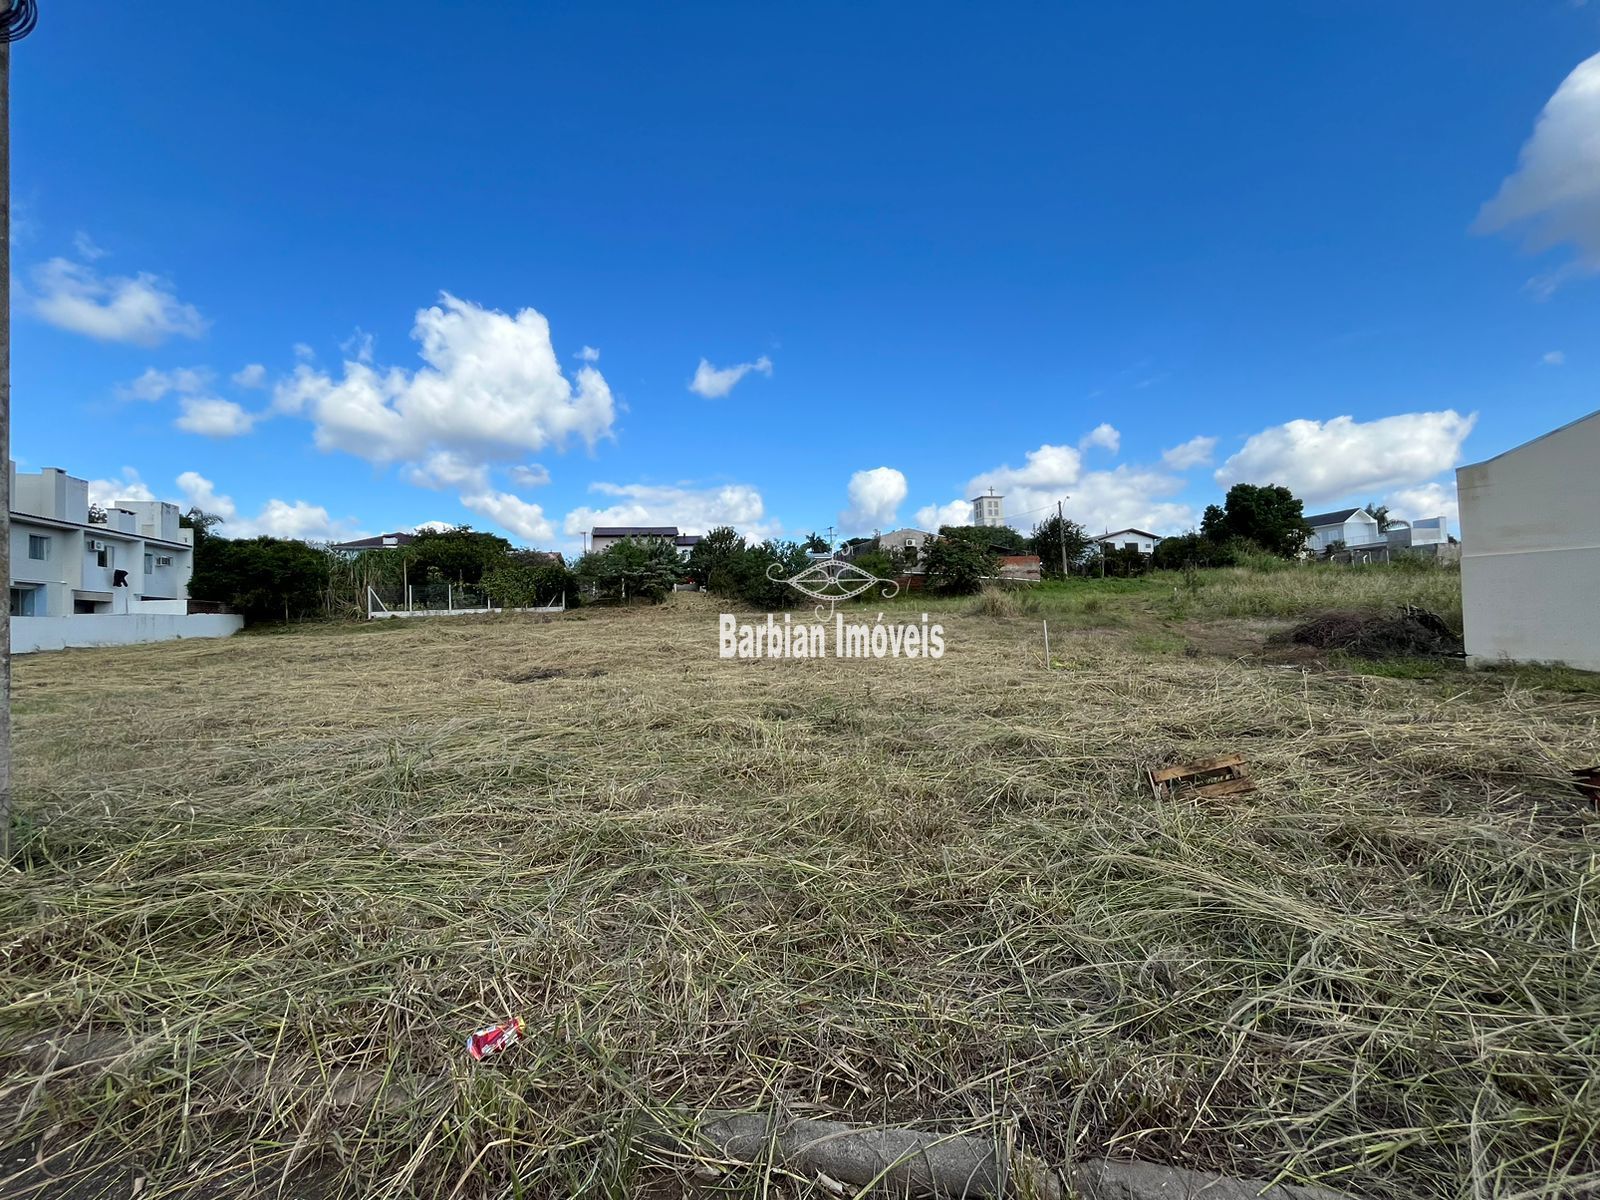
[1141, 540]
[603, 537]
[551, 558]
[1530, 550]
[1424, 531]
[908, 545]
[1350, 527]
[382, 541]
[91, 576]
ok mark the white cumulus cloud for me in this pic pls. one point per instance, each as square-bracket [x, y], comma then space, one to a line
[277, 518]
[692, 509]
[932, 516]
[212, 416]
[529, 475]
[199, 492]
[1099, 500]
[1322, 461]
[139, 309]
[490, 388]
[874, 495]
[715, 382]
[106, 492]
[448, 469]
[512, 513]
[1196, 452]
[156, 385]
[1425, 500]
[252, 376]
[1103, 435]
[1554, 193]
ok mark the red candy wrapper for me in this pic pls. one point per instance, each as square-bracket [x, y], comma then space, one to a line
[495, 1038]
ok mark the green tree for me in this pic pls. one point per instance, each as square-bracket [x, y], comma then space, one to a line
[262, 578]
[517, 585]
[1381, 513]
[1048, 538]
[713, 557]
[459, 555]
[1000, 538]
[1192, 549]
[959, 563]
[634, 568]
[786, 559]
[815, 543]
[860, 544]
[883, 564]
[1269, 515]
[1119, 562]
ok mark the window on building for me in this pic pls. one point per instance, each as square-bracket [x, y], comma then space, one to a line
[149, 563]
[104, 557]
[22, 602]
[38, 547]
[1130, 545]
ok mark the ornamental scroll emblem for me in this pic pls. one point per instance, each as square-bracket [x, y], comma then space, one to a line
[831, 580]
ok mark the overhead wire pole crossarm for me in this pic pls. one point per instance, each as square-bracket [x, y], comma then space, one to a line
[17, 19]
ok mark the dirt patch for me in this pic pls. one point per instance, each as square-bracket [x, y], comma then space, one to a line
[1410, 632]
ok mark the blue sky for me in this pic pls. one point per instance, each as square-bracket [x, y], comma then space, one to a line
[403, 262]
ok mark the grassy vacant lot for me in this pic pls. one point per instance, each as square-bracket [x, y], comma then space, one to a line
[268, 885]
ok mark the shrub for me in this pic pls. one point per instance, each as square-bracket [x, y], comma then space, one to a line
[1003, 602]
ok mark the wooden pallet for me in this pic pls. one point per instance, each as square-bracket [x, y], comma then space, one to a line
[1224, 776]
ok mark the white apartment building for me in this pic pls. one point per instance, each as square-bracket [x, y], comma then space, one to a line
[77, 582]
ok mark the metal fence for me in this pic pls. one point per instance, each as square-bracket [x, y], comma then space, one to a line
[442, 599]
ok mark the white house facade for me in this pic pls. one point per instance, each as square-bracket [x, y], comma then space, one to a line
[77, 582]
[1346, 526]
[1141, 540]
[1530, 550]
[603, 537]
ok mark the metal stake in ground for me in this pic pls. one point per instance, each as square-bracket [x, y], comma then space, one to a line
[17, 19]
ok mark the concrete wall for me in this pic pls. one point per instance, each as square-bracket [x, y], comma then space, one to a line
[29, 634]
[1530, 551]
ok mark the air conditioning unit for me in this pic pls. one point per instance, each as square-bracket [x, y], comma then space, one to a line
[97, 546]
[163, 560]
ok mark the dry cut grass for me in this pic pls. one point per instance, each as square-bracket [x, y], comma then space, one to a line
[268, 885]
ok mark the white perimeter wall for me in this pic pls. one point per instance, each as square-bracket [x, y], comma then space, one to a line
[1530, 551]
[115, 629]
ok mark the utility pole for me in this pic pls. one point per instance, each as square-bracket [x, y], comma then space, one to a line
[17, 19]
[1061, 532]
